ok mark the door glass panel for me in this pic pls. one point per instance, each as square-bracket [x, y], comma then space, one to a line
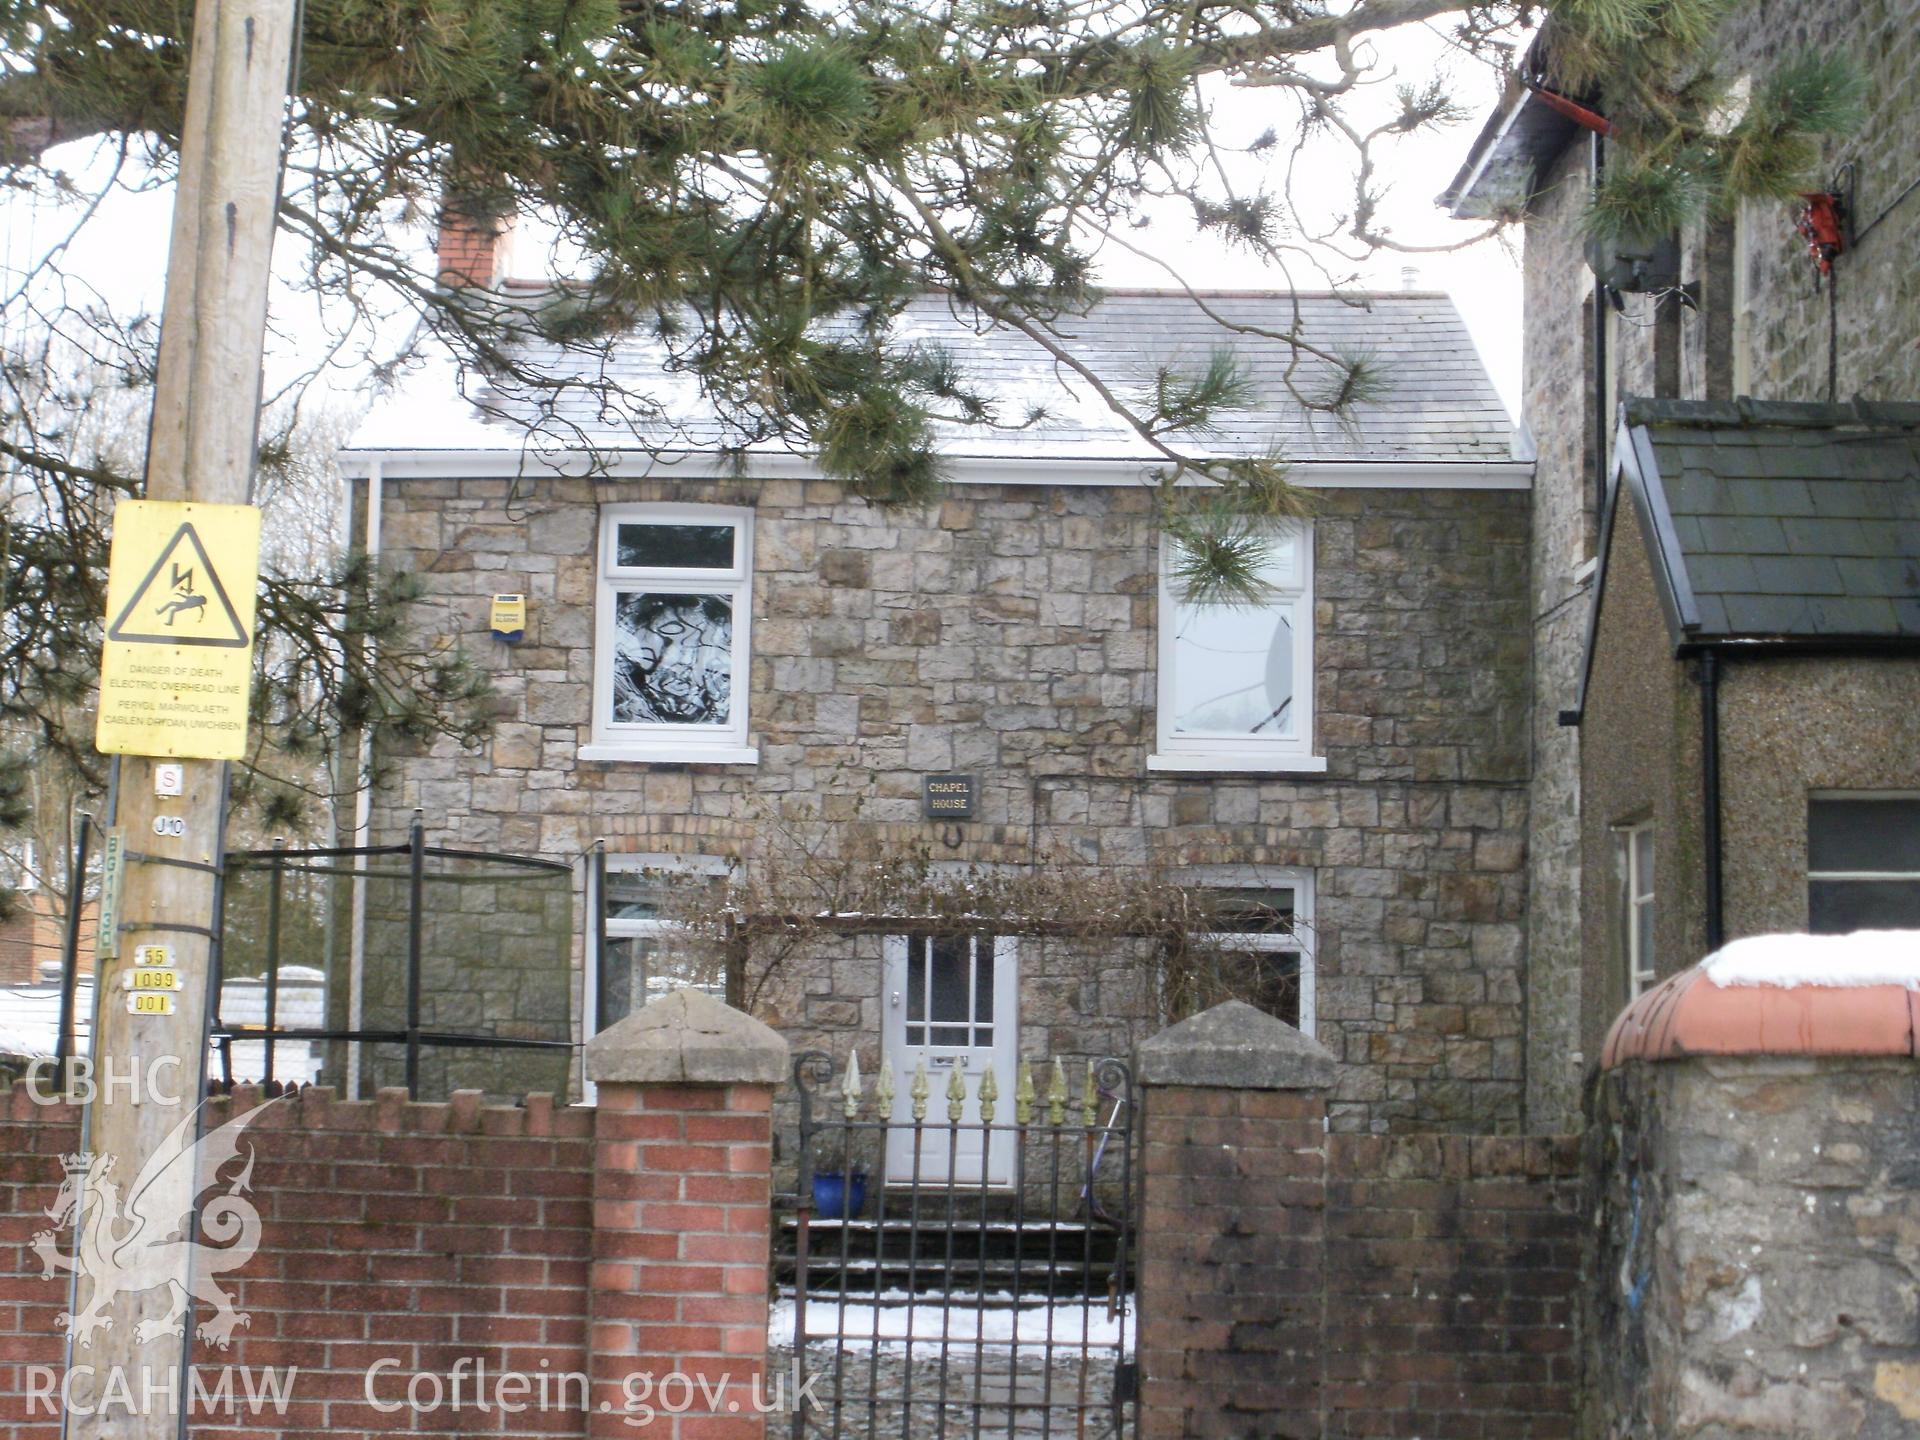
[948, 997]
[949, 1034]
[983, 981]
[916, 985]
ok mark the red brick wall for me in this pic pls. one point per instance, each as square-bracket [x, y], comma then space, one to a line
[420, 1234]
[1310, 1286]
[1232, 1257]
[682, 1206]
[1453, 1266]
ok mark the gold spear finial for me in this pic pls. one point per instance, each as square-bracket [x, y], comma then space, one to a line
[956, 1095]
[1057, 1094]
[883, 1090]
[1023, 1094]
[989, 1092]
[1090, 1099]
[919, 1091]
[850, 1087]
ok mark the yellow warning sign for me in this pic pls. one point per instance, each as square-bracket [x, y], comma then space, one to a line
[175, 671]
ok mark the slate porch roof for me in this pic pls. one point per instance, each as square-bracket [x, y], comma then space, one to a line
[1438, 404]
[1772, 523]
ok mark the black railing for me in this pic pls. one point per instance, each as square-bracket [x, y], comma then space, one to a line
[350, 936]
[990, 1293]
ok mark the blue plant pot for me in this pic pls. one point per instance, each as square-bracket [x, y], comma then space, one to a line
[839, 1197]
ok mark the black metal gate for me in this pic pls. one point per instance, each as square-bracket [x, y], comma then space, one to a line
[998, 1302]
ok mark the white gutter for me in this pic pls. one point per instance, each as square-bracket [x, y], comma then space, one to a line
[420, 464]
[363, 808]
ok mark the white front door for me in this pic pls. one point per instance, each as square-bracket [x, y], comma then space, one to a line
[951, 1001]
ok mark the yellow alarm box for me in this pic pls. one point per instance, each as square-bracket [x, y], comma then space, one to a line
[509, 618]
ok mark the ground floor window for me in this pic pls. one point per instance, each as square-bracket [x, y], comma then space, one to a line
[1263, 934]
[635, 959]
[1863, 863]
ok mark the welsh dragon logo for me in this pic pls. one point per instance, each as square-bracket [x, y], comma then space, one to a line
[145, 1245]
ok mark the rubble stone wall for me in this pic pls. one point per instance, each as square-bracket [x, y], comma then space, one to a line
[1009, 632]
[1757, 1263]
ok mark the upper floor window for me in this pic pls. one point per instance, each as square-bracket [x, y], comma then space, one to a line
[1863, 864]
[1236, 679]
[671, 637]
[1633, 918]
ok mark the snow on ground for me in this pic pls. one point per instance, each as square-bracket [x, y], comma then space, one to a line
[967, 1322]
[30, 1022]
[1866, 957]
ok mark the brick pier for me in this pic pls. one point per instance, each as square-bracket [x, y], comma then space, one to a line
[1303, 1285]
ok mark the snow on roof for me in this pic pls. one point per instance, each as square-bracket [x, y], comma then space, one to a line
[1866, 957]
[1438, 403]
[1853, 994]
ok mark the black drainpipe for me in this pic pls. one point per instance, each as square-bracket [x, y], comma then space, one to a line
[1709, 675]
[1602, 421]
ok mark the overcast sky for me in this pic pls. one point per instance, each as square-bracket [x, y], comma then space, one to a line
[120, 250]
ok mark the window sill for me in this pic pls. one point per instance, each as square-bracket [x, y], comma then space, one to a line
[671, 754]
[1240, 763]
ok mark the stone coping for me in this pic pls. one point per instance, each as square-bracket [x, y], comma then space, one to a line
[1233, 1046]
[1688, 1014]
[687, 1038]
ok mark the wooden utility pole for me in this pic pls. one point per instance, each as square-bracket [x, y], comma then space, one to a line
[201, 448]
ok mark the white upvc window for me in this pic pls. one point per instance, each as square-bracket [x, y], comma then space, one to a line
[671, 638]
[1270, 935]
[1633, 919]
[632, 958]
[1236, 680]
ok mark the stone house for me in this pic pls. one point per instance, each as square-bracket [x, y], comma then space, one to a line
[1757, 326]
[717, 660]
[1750, 703]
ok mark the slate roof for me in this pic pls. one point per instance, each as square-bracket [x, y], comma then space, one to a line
[1438, 403]
[1771, 523]
[1787, 521]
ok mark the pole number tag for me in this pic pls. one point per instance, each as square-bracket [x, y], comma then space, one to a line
[174, 825]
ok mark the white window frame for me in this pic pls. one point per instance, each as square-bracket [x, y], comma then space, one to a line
[1635, 893]
[686, 744]
[1299, 938]
[597, 925]
[1240, 754]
